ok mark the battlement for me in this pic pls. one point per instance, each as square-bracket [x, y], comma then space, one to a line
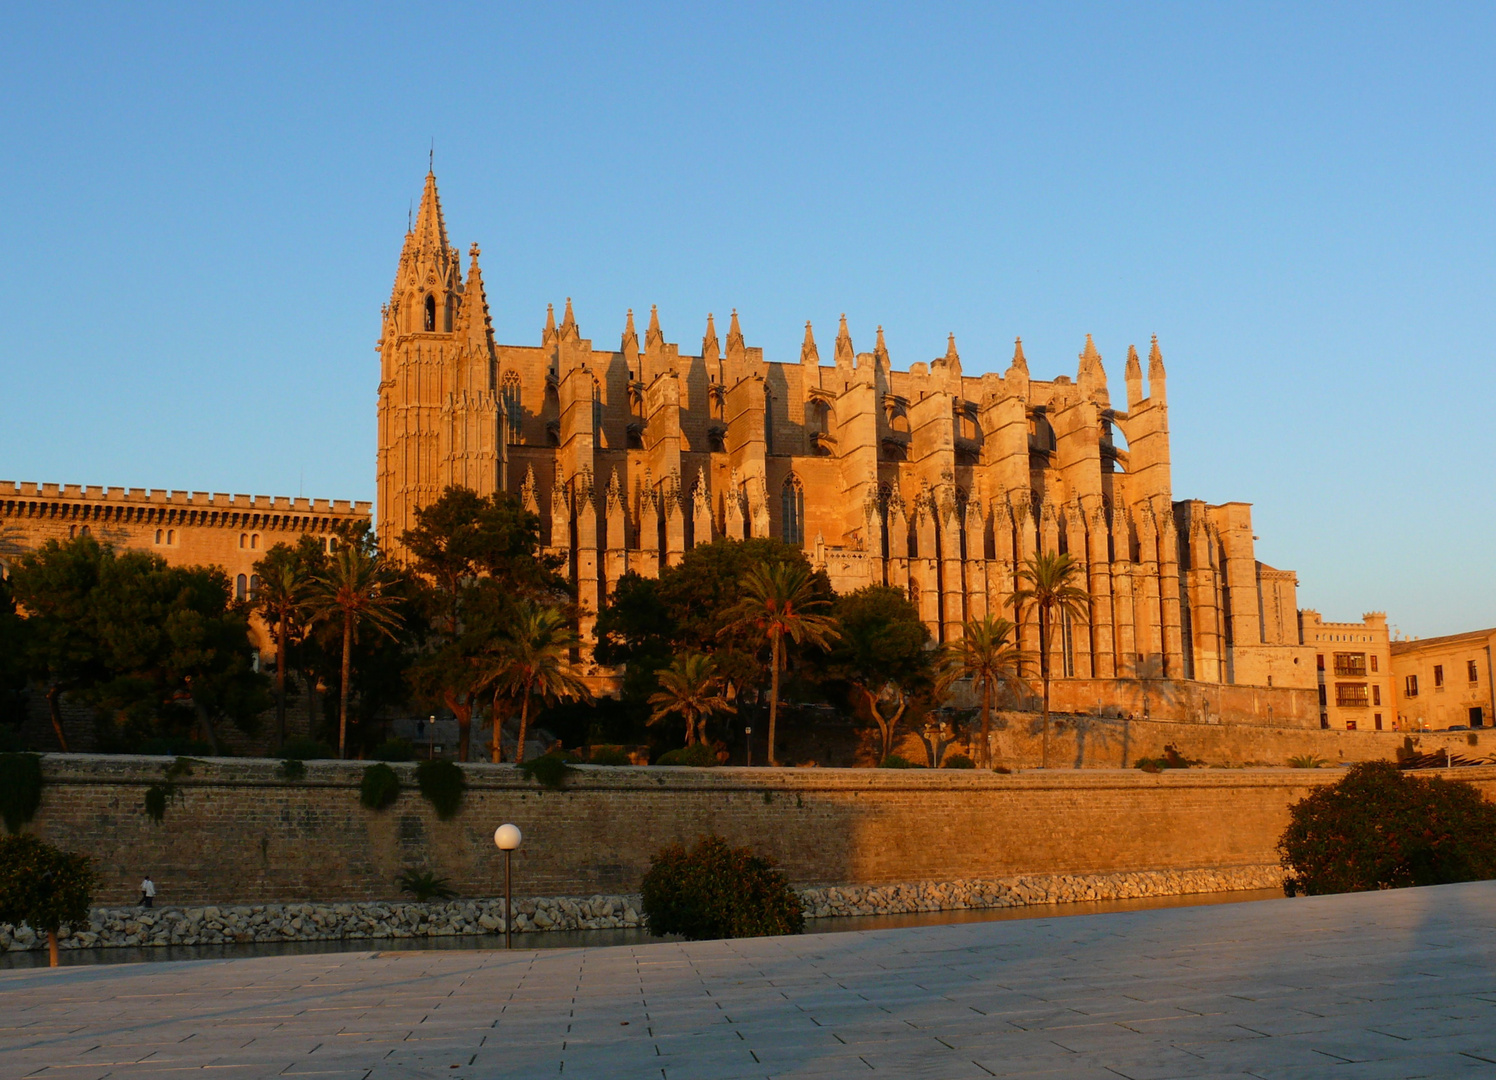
[94, 493]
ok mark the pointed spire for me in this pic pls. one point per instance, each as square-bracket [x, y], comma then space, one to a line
[629, 345]
[809, 354]
[1156, 378]
[653, 338]
[951, 355]
[548, 335]
[1089, 354]
[569, 323]
[1020, 363]
[880, 349]
[844, 353]
[475, 302]
[734, 333]
[430, 232]
[1134, 369]
[711, 349]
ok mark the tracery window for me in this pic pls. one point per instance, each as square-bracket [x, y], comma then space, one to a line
[513, 415]
[430, 314]
[792, 510]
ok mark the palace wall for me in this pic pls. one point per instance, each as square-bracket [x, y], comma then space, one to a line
[236, 832]
[184, 528]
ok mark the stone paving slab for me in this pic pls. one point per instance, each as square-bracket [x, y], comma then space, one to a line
[1377, 985]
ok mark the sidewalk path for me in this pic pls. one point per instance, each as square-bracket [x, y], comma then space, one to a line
[1374, 985]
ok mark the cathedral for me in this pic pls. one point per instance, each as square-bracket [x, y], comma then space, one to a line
[925, 479]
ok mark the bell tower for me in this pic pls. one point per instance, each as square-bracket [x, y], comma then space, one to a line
[439, 417]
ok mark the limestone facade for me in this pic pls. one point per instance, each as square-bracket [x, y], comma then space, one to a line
[926, 479]
[184, 528]
[1353, 667]
[1443, 682]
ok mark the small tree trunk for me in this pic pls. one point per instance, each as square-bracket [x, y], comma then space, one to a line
[204, 721]
[524, 726]
[54, 709]
[52, 948]
[343, 695]
[773, 697]
[1044, 679]
[280, 685]
[986, 723]
[464, 713]
[495, 743]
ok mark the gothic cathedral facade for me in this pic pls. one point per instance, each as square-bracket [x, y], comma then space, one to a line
[927, 479]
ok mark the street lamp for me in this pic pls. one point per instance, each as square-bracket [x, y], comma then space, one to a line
[507, 839]
[748, 741]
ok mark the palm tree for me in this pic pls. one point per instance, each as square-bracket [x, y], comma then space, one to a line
[282, 600]
[1046, 585]
[986, 654]
[535, 661]
[353, 592]
[779, 601]
[691, 687]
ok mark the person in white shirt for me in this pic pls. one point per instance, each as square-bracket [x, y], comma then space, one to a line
[147, 892]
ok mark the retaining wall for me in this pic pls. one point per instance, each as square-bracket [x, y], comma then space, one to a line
[237, 832]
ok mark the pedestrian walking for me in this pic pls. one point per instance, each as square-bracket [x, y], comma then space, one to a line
[148, 892]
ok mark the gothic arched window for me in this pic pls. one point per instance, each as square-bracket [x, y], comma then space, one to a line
[512, 412]
[792, 511]
[241, 587]
[430, 314]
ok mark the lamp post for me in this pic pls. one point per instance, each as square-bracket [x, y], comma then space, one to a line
[748, 741]
[431, 739]
[507, 839]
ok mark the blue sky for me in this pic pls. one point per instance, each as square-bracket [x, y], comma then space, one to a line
[206, 204]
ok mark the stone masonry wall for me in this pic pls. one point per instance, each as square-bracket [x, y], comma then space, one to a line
[237, 833]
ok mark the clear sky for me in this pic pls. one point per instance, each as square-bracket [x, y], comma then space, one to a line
[206, 205]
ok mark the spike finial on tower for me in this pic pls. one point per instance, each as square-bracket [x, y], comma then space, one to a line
[809, 354]
[653, 337]
[1020, 362]
[880, 349]
[629, 344]
[711, 348]
[844, 352]
[734, 335]
[548, 335]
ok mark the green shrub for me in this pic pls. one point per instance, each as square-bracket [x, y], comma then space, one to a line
[158, 795]
[699, 755]
[43, 886]
[442, 783]
[395, 750]
[717, 891]
[380, 786]
[607, 755]
[425, 885]
[894, 761]
[548, 770]
[303, 749]
[20, 789]
[292, 769]
[1169, 759]
[1379, 828]
[958, 761]
[1306, 761]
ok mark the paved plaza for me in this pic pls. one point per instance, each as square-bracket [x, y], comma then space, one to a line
[1392, 984]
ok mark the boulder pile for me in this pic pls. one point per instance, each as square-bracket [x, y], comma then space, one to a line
[224, 924]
